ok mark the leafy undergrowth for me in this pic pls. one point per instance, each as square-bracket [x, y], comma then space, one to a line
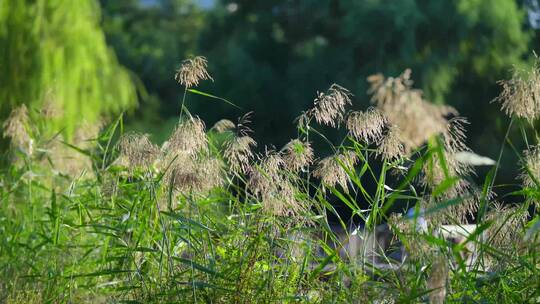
[112, 217]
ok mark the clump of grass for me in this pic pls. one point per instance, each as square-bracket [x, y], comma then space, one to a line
[206, 218]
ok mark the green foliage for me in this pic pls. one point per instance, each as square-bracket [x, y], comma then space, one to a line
[134, 223]
[54, 57]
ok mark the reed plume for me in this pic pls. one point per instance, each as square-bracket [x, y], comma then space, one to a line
[189, 136]
[331, 170]
[507, 224]
[238, 153]
[329, 107]
[367, 126]
[520, 94]
[530, 174]
[271, 184]
[297, 155]
[223, 125]
[193, 175]
[192, 71]
[137, 150]
[390, 146]
[16, 129]
[404, 107]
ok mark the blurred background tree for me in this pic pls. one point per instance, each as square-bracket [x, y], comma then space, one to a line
[281, 52]
[54, 57]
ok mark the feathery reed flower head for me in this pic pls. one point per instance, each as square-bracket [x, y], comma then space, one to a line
[505, 230]
[329, 107]
[223, 125]
[137, 150]
[269, 182]
[238, 153]
[390, 146]
[192, 71]
[436, 170]
[331, 171]
[63, 159]
[265, 176]
[454, 136]
[531, 167]
[189, 136]
[283, 202]
[520, 95]
[530, 171]
[417, 119]
[194, 175]
[15, 127]
[297, 155]
[367, 126]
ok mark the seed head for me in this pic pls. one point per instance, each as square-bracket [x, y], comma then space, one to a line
[238, 153]
[531, 167]
[404, 107]
[283, 201]
[434, 173]
[137, 150]
[454, 137]
[192, 71]
[530, 172]
[265, 176]
[189, 136]
[520, 95]
[223, 125]
[297, 155]
[390, 146]
[504, 232]
[329, 107]
[15, 127]
[331, 169]
[50, 109]
[192, 174]
[269, 182]
[367, 126]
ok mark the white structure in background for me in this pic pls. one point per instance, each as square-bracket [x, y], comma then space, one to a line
[533, 12]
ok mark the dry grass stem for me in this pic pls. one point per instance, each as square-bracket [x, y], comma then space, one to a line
[436, 282]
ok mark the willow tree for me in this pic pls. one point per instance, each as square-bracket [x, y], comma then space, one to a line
[53, 55]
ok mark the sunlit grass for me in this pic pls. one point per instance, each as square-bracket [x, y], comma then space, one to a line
[206, 219]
